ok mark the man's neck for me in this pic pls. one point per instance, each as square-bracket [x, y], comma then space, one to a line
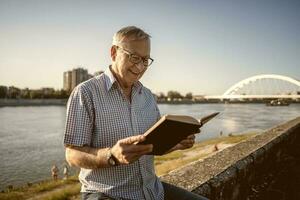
[126, 89]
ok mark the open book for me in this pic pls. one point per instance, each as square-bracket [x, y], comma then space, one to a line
[171, 129]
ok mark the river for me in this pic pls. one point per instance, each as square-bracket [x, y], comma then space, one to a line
[31, 137]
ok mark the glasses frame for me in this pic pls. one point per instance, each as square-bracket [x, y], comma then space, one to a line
[141, 59]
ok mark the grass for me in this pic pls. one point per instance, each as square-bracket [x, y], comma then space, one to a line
[50, 185]
[174, 160]
[63, 194]
[26, 192]
[70, 189]
[171, 156]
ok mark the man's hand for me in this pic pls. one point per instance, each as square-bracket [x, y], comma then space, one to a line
[127, 151]
[184, 144]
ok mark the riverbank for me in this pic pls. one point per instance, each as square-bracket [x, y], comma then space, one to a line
[63, 102]
[33, 102]
[69, 189]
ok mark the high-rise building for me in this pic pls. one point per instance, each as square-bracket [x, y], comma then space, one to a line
[67, 80]
[74, 77]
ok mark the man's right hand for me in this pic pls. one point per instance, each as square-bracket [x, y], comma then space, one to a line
[128, 151]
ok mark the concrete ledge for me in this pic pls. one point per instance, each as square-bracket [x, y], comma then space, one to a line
[235, 172]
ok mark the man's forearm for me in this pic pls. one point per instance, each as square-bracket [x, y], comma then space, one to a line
[87, 157]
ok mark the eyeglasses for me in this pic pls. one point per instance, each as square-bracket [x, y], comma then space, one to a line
[137, 59]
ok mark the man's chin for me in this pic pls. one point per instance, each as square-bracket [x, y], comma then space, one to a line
[135, 80]
[136, 76]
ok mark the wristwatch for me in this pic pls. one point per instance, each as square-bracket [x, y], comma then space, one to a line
[111, 159]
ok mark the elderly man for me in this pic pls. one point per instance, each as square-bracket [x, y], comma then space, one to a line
[106, 116]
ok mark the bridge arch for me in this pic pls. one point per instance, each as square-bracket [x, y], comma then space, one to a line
[246, 81]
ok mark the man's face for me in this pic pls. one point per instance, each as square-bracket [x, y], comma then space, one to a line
[126, 71]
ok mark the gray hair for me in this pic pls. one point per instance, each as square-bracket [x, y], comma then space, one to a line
[129, 33]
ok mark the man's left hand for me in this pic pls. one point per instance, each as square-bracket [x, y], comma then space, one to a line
[184, 144]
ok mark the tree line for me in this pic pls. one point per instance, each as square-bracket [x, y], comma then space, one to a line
[12, 92]
[173, 96]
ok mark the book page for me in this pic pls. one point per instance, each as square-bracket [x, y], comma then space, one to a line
[182, 118]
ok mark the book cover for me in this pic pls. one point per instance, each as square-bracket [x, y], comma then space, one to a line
[171, 129]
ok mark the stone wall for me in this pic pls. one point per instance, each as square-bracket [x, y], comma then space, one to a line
[264, 167]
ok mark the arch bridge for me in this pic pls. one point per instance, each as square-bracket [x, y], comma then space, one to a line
[265, 86]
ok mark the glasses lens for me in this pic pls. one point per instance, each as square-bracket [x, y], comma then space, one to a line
[146, 62]
[135, 59]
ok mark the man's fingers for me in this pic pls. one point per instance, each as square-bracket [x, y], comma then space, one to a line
[191, 137]
[139, 148]
[135, 156]
[132, 157]
[127, 151]
[198, 131]
[132, 139]
[145, 152]
[179, 146]
[187, 143]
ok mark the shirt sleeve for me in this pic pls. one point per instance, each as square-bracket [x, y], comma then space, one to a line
[156, 107]
[79, 118]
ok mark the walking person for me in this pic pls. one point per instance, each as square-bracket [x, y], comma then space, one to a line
[54, 172]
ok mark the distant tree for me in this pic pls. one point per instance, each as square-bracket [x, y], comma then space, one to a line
[189, 95]
[48, 93]
[155, 96]
[13, 92]
[3, 91]
[57, 94]
[161, 96]
[25, 93]
[64, 94]
[174, 95]
[36, 94]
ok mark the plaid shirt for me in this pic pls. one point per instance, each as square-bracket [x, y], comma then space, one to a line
[98, 115]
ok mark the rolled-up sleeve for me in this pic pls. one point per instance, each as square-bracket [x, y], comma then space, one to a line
[80, 118]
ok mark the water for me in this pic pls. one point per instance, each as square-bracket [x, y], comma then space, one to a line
[31, 137]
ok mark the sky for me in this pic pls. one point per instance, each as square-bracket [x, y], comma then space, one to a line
[203, 47]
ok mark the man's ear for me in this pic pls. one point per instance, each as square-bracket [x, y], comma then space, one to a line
[113, 53]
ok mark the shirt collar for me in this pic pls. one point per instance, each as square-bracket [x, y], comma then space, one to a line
[110, 80]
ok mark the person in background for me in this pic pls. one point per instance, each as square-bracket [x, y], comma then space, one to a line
[54, 172]
[107, 116]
